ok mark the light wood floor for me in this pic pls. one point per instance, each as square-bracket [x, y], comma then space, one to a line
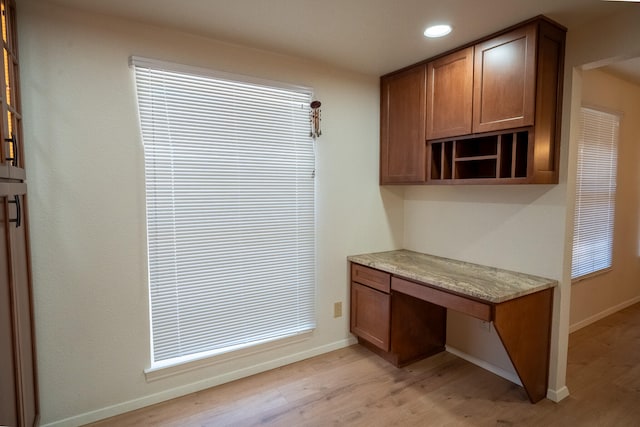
[353, 387]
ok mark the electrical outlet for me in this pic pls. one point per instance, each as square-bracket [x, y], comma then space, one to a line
[337, 309]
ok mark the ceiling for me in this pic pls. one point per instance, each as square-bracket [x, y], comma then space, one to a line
[368, 36]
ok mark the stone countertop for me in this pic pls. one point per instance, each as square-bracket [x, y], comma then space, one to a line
[474, 280]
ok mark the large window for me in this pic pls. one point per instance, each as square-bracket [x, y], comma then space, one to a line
[229, 170]
[595, 192]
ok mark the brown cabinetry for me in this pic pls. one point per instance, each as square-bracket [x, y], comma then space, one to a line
[504, 81]
[17, 362]
[18, 379]
[11, 150]
[402, 131]
[416, 329]
[371, 305]
[518, 305]
[492, 111]
[498, 156]
[370, 315]
[450, 94]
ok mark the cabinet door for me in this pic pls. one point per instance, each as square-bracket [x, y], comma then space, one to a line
[19, 284]
[24, 315]
[402, 127]
[8, 385]
[11, 152]
[504, 81]
[450, 94]
[370, 315]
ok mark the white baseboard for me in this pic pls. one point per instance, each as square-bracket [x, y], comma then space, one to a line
[557, 395]
[553, 395]
[511, 376]
[591, 319]
[152, 399]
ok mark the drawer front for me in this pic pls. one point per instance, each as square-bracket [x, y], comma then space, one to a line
[442, 298]
[371, 315]
[371, 277]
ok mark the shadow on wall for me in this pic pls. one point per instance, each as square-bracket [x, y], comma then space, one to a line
[495, 194]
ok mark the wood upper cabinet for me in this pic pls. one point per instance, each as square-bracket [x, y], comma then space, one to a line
[504, 81]
[483, 88]
[449, 95]
[11, 149]
[402, 130]
[492, 112]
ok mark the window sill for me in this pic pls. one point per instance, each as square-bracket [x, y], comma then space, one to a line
[179, 366]
[591, 275]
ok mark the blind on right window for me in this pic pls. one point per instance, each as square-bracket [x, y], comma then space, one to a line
[595, 192]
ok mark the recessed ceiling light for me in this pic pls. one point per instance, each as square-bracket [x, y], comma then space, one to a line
[437, 30]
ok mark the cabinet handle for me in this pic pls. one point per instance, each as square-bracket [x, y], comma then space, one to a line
[18, 218]
[14, 143]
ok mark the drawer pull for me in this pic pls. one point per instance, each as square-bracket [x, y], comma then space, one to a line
[18, 219]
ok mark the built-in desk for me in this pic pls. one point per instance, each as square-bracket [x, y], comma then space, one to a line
[399, 302]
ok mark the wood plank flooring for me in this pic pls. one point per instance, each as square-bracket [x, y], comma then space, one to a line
[353, 387]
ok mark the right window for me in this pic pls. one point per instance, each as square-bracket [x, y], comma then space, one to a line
[595, 192]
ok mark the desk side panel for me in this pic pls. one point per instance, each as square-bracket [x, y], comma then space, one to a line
[524, 326]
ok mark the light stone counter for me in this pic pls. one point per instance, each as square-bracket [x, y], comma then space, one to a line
[477, 281]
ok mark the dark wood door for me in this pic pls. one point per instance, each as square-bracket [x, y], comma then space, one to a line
[8, 385]
[402, 127]
[450, 95]
[18, 282]
[371, 315]
[24, 316]
[504, 81]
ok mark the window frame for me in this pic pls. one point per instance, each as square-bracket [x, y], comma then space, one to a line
[610, 188]
[233, 79]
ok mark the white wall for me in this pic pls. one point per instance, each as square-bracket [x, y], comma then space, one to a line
[595, 297]
[85, 175]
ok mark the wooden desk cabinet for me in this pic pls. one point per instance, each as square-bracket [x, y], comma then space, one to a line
[397, 327]
[404, 320]
[371, 305]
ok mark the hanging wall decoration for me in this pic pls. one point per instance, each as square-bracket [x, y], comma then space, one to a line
[314, 119]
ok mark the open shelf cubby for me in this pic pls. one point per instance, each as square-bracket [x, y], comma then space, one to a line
[481, 158]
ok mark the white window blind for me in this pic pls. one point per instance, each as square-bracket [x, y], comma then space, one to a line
[595, 192]
[230, 196]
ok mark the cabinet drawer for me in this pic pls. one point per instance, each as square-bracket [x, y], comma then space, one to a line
[444, 299]
[371, 277]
